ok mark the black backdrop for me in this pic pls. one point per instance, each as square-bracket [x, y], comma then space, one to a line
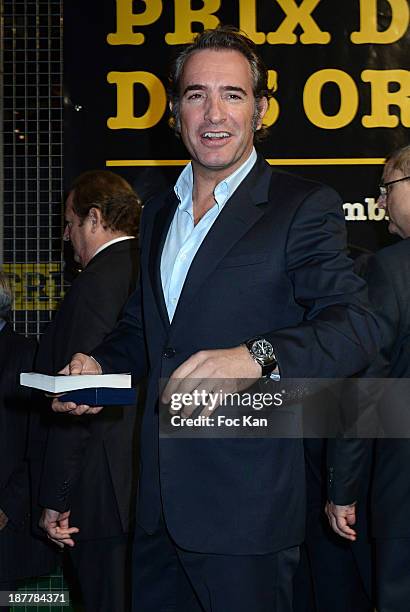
[342, 101]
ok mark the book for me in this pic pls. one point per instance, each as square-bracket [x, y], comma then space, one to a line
[61, 384]
[101, 396]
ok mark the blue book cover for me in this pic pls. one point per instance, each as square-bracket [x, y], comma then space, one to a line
[101, 396]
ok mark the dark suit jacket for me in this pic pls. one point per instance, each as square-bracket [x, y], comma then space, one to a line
[272, 264]
[388, 276]
[90, 464]
[21, 555]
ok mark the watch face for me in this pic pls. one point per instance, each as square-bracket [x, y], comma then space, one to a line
[262, 349]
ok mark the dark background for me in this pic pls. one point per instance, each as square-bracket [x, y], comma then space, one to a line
[90, 100]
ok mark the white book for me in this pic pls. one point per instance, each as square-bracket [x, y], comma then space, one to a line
[61, 384]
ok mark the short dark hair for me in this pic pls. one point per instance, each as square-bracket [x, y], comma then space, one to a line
[119, 204]
[220, 39]
[6, 296]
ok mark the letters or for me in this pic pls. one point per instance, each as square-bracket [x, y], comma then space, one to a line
[381, 82]
[312, 99]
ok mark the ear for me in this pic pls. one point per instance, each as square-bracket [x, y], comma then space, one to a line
[95, 218]
[173, 121]
[262, 108]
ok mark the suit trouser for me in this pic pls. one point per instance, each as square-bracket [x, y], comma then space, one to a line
[334, 574]
[169, 579]
[103, 570]
[392, 574]
[336, 584]
[8, 585]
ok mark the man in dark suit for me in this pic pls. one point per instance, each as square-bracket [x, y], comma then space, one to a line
[21, 554]
[243, 275]
[388, 276]
[90, 465]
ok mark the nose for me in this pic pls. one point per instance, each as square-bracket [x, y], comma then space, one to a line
[66, 235]
[214, 111]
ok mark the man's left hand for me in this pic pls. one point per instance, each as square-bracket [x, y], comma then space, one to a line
[207, 371]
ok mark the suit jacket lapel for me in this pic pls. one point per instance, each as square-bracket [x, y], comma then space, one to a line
[237, 217]
[159, 233]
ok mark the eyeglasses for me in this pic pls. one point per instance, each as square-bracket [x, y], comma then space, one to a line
[384, 187]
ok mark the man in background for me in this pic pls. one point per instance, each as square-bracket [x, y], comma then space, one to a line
[89, 474]
[388, 277]
[21, 554]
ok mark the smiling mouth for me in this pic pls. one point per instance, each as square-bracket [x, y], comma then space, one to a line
[215, 135]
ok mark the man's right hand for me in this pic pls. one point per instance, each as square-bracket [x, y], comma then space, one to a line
[79, 364]
[341, 519]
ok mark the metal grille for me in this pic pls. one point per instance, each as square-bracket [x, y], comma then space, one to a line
[32, 171]
[33, 166]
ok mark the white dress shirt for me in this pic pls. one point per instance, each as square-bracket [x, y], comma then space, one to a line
[184, 238]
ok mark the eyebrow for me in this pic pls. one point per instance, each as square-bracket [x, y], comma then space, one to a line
[196, 87]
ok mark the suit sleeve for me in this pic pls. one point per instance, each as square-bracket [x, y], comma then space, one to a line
[124, 348]
[349, 455]
[348, 458]
[338, 336]
[384, 296]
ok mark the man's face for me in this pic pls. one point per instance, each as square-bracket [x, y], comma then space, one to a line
[397, 202]
[78, 234]
[217, 110]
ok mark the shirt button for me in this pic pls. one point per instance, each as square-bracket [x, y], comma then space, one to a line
[182, 257]
[169, 352]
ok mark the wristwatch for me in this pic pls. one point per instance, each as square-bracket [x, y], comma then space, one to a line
[262, 351]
